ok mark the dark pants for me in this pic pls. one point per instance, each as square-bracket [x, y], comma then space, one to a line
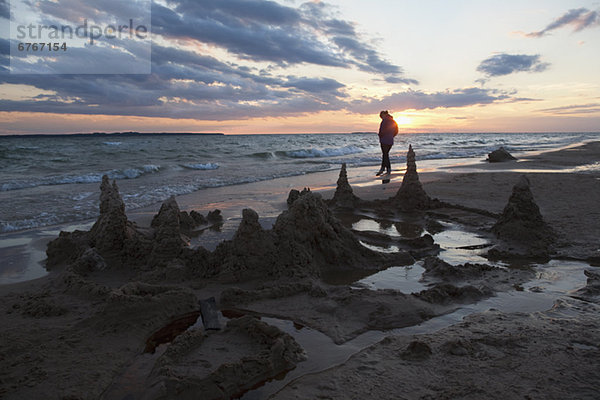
[385, 157]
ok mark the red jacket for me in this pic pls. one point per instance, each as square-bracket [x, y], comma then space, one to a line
[387, 130]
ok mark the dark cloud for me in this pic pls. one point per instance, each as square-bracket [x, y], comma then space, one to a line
[578, 19]
[205, 109]
[257, 11]
[4, 9]
[188, 84]
[183, 84]
[418, 100]
[103, 11]
[222, 104]
[127, 58]
[267, 31]
[396, 79]
[573, 109]
[315, 85]
[505, 64]
[365, 57]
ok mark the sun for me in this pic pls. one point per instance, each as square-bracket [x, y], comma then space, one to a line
[403, 120]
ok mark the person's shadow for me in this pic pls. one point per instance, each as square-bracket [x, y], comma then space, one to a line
[385, 178]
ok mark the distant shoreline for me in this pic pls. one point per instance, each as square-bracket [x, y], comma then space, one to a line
[113, 134]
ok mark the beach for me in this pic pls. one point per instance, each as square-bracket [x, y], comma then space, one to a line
[466, 281]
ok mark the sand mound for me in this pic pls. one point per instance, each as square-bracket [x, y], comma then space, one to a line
[445, 293]
[411, 196]
[441, 269]
[249, 352]
[308, 234]
[521, 225]
[295, 194]
[250, 254]
[305, 240]
[500, 155]
[115, 240]
[591, 291]
[109, 233]
[485, 277]
[168, 240]
[344, 196]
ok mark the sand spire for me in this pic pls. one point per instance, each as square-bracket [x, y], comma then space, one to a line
[344, 196]
[411, 195]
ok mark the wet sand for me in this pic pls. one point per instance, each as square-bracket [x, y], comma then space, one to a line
[366, 306]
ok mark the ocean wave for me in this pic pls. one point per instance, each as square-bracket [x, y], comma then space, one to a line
[113, 143]
[327, 152]
[203, 167]
[265, 155]
[93, 177]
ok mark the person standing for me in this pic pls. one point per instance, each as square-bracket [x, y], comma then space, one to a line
[388, 129]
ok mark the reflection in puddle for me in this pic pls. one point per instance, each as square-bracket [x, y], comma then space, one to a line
[460, 246]
[389, 249]
[366, 224]
[405, 279]
[22, 259]
[401, 229]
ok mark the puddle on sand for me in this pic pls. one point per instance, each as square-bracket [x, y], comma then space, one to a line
[22, 258]
[380, 249]
[403, 278]
[167, 333]
[458, 245]
[398, 229]
[406, 279]
[556, 278]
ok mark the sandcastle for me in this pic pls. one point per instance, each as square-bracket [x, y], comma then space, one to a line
[521, 226]
[411, 195]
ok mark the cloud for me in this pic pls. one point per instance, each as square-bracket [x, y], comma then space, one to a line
[183, 84]
[578, 19]
[4, 9]
[103, 11]
[505, 64]
[253, 30]
[406, 81]
[573, 109]
[418, 100]
[186, 83]
[267, 31]
[315, 85]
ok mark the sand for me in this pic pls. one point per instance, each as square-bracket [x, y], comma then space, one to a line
[84, 330]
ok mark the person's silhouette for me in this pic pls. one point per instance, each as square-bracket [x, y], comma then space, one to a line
[388, 129]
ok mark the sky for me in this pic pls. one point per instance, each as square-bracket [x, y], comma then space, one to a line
[286, 66]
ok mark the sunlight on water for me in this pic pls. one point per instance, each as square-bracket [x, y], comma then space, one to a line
[405, 279]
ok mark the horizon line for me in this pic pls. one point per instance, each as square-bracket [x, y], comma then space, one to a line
[135, 133]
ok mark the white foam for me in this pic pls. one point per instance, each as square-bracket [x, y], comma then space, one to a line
[200, 166]
[327, 152]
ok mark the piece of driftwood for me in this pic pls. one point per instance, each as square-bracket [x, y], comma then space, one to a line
[210, 314]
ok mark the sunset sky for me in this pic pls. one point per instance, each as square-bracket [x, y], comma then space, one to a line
[250, 66]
